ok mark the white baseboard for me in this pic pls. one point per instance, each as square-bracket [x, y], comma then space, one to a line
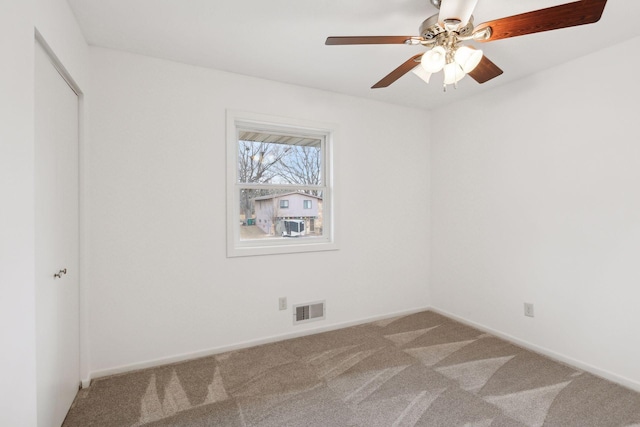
[626, 382]
[237, 346]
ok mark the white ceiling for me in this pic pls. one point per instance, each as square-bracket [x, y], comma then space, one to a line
[283, 40]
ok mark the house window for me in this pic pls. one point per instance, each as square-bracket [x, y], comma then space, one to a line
[268, 158]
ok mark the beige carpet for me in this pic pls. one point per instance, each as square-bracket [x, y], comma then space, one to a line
[416, 370]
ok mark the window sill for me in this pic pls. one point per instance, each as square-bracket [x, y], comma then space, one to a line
[276, 249]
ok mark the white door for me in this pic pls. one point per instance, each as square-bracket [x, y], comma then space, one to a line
[56, 245]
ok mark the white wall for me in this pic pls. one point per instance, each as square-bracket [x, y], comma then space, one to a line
[17, 305]
[535, 198]
[161, 285]
[57, 24]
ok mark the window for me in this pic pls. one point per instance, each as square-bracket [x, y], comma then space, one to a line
[276, 168]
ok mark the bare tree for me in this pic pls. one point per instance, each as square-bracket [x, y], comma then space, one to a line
[256, 164]
[268, 162]
[302, 165]
[274, 214]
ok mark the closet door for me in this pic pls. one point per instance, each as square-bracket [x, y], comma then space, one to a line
[56, 245]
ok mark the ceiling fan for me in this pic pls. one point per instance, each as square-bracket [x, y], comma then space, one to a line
[446, 32]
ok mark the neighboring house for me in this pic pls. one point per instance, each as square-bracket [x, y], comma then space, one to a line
[271, 210]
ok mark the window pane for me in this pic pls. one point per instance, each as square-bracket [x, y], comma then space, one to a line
[266, 158]
[261, 215]
[279, 176]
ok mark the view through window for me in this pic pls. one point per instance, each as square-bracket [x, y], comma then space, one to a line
[280, 186]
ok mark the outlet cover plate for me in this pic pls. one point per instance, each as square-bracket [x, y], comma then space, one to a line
[528, 309]
[282, 303]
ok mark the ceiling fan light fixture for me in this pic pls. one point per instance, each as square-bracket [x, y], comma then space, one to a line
[468, 58]
[422, 73]
[434, 60]
[453, 73]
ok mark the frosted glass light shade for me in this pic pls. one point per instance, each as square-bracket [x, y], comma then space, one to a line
[453, 73]
[433, 60]
[468, 58]
[422, 73]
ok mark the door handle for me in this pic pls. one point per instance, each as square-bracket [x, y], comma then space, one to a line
[59, 274]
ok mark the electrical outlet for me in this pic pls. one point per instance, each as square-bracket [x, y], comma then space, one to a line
[528, 309]
[282, 303]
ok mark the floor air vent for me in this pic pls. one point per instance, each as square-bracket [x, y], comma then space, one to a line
[309, 312]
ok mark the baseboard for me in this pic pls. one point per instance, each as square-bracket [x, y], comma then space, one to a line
[623, 381]
[238, 346]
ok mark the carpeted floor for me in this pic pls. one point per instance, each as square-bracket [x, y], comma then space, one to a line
[416, 370]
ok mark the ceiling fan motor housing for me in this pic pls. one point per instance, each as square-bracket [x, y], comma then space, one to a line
[430, 28]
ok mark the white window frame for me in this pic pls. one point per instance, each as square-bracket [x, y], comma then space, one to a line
[240, 120]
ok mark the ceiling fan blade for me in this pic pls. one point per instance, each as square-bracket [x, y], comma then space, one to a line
[552, 18]
[371, 40]
[485, 71]
[456, 9]
[398, 72]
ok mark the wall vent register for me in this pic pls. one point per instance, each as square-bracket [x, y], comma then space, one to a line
[310, 312]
